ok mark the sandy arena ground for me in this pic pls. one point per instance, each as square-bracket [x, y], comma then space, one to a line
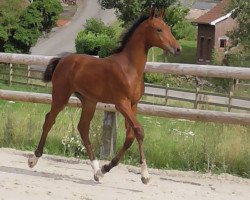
[61, 178]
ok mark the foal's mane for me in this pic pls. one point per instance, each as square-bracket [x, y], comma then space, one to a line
[126, 36]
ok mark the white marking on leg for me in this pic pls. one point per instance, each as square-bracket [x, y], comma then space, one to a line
[144, 170]
[32, 161]
[97, 171]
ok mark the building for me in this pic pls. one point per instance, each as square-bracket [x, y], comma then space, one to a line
[212, 32]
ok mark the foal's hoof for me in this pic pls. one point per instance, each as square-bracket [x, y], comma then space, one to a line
[145, 180]
[98, 175]
[32, 161]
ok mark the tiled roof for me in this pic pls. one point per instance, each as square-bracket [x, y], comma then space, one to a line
[215, 13]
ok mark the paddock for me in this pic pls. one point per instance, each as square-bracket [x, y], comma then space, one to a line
[67, 178]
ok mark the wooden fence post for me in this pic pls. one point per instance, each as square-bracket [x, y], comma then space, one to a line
[230, 96]
[28, 75]
[10, 73]
[236, 83]
[196, 102]
[166, 95]
[109, 134]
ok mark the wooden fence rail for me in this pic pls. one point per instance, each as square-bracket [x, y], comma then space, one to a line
[144, 109]
[169, 68]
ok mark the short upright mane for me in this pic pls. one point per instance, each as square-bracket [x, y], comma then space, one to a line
[129, 33]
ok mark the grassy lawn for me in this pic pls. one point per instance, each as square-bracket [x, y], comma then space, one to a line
[187, 145]
[188, 54]
[169, 144]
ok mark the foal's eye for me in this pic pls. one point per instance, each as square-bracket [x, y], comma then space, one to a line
[159, 30]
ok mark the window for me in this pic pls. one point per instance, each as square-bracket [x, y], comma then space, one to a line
[223, 43]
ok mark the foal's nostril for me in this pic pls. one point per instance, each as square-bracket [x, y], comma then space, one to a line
[178, 51]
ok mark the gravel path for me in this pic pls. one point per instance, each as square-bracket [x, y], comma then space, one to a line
[62, 178]
[62, 39]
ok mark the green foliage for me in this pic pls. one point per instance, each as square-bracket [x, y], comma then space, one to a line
[181, 28]
[24, 27]
[50, 10]
[129, 10]
[98, 27]
[96, 39]
[154, 78]
[175, 14]
[239, 59]
[3, 38]
[73, 146]
[240, 36]
[184, 30]
[8, 133]
[222, 83]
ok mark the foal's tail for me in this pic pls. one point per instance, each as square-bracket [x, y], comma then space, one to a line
[47, 76]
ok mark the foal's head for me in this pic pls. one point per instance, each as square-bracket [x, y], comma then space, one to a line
[158, 33]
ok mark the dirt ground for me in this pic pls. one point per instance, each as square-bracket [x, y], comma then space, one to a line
[61, 178]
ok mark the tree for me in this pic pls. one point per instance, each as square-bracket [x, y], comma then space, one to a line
[241, 12]
[21, 28]
[240, 36]
[50, 10]
[130, 10]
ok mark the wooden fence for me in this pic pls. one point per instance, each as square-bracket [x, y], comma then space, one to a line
[198, 97]
[152, 110]
[33, 76]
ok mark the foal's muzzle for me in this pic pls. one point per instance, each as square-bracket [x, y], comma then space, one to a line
[173, 50]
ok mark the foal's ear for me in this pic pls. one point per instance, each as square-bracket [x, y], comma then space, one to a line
[152, 12]
[161, 13]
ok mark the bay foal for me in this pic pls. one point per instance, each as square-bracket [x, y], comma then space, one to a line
[117, 79]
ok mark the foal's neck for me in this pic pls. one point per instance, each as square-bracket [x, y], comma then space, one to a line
[136, 51]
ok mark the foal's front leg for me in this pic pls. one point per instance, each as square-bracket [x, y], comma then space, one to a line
[129, 113]
[130, 136]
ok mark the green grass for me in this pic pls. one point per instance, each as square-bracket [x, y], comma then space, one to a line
[188, 54]
[169, 144]
[186, 145]
[21, 127]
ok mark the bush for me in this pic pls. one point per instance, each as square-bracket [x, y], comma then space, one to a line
[185, 30]
[241, 59]
[96, 39]
[98, 27]
[92, 44]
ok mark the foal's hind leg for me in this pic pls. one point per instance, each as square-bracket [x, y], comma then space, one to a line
[58, 103]
[88, 110]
